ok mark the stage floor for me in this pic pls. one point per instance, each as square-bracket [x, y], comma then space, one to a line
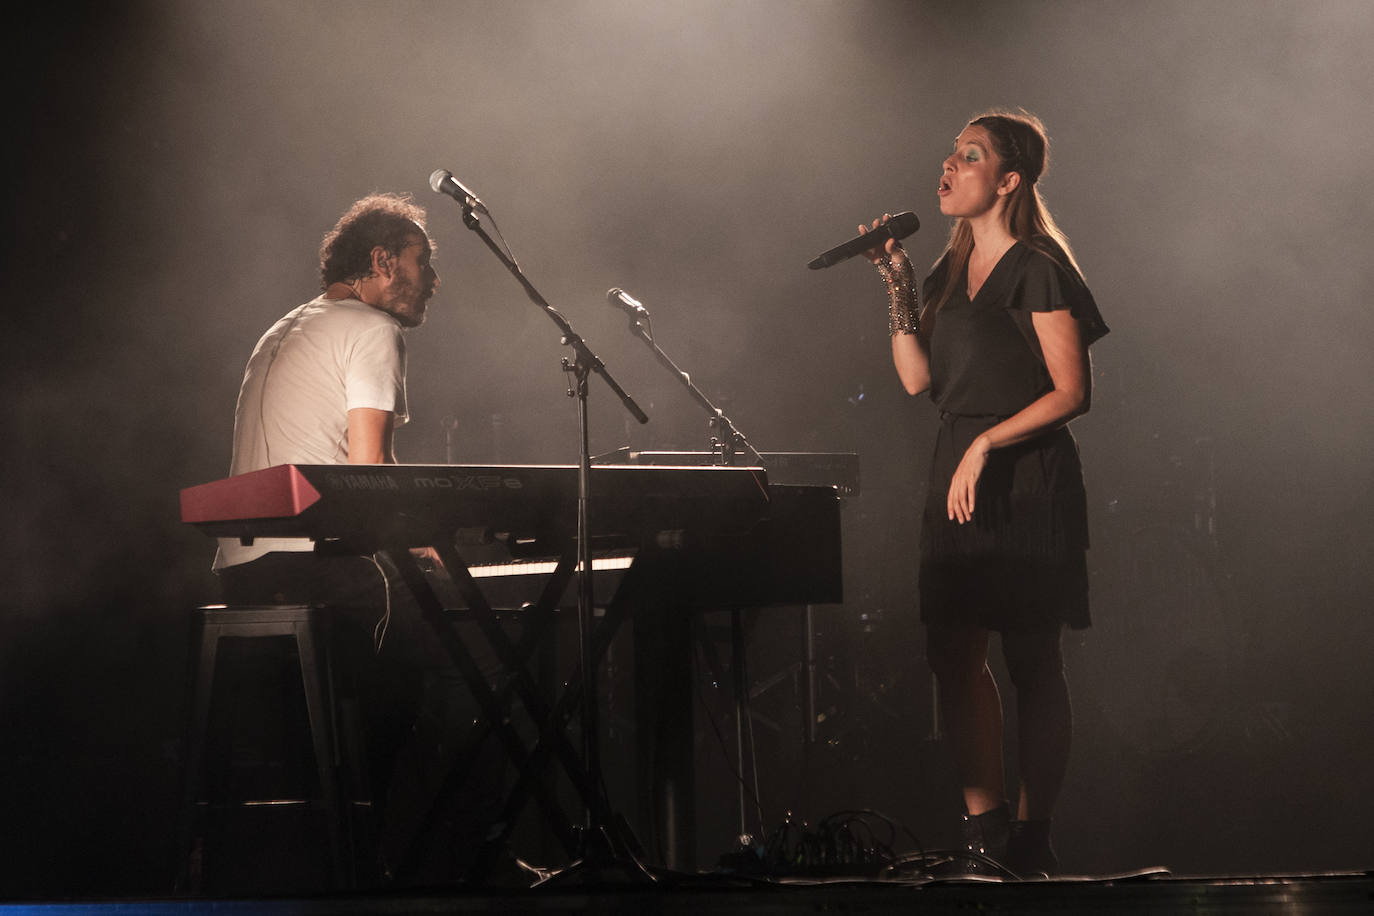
[1150, 892]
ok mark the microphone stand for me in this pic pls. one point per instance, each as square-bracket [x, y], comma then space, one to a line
[726, 439]
[726, 443]
[599, 847]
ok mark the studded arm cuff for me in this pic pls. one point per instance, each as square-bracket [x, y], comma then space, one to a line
[903, 310]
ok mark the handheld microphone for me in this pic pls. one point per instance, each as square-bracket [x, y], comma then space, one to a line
[442, 180]
[899, 227]
[626, 303]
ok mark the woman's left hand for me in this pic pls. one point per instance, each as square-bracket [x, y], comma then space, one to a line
[963, 487]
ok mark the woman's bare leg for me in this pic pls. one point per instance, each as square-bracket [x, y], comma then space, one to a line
[972, 708]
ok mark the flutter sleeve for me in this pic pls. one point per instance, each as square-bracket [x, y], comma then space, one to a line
[1048, 284]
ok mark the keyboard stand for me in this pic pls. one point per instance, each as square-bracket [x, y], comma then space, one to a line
[514, 658]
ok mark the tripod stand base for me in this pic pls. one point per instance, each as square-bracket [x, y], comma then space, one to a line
[610, 858]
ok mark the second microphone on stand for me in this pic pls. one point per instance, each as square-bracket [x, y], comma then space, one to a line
[626, 303]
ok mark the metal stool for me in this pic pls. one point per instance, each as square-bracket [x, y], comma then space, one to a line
[310, 626]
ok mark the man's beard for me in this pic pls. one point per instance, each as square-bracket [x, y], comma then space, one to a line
[405, 302]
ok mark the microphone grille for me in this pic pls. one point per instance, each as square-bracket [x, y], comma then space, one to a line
[437, 177]
[903, 224]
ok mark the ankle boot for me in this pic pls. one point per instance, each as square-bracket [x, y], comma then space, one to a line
[986, 834]
[1029, 852]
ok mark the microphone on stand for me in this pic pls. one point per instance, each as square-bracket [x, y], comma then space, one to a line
[442, 180]
[626, 303]
[899, 227]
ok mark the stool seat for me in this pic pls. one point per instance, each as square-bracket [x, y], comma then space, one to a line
[310, 626]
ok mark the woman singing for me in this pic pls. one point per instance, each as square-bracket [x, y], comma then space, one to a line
[1002, 346]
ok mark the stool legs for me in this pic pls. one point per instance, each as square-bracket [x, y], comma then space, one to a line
[319, 705]
[310, 627]
[204, 644]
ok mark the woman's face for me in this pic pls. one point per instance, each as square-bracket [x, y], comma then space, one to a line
[971, 178]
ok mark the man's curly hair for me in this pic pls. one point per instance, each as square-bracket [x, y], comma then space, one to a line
[388, 220]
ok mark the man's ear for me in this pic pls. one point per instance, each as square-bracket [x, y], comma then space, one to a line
[381, 262]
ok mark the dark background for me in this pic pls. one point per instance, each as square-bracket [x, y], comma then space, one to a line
[173, 166]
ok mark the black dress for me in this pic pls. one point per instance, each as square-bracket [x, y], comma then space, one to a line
[1020, 562]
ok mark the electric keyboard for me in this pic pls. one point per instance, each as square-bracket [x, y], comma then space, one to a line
[409, 505]
[750, 542]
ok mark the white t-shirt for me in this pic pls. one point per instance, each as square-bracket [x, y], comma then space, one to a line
[307, 372]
